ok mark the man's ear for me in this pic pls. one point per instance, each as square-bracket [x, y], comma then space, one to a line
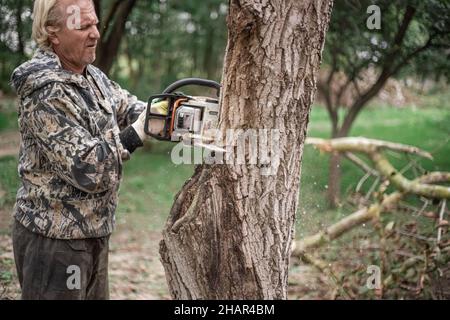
[52, 37]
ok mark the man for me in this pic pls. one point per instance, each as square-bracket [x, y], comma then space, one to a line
[77, 128]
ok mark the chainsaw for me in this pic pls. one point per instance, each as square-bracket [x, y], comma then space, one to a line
[189, 118]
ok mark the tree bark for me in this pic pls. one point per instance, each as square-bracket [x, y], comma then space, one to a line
[19, 28]
[98, 9]
[230, 230]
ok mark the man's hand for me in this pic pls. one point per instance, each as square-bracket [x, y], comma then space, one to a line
[161, 107]
[155, 125]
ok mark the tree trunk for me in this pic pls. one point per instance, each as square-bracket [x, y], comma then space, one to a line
[112, 34]
[389, 68]
[230, 230]
[19, 28]
[98, 9]
[208, 58]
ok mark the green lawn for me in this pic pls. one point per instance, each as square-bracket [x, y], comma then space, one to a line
[8, 115]
[151, 180]
[8, 180]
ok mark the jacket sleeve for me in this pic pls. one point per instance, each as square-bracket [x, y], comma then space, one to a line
[128, 106]
[86, 162]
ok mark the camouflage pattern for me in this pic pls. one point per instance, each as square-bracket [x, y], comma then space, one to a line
[70, 160]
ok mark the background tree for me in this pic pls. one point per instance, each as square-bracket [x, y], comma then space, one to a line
[230, 229]
[408, 33]
[15, 33]
[145, 44]
[169, 40]
[112, 27]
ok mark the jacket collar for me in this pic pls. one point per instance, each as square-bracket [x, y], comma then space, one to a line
[44, 68]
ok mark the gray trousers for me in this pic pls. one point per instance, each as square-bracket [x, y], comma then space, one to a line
[60, 269]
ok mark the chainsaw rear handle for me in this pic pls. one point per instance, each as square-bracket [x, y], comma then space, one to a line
[193, 81]
[167, 118]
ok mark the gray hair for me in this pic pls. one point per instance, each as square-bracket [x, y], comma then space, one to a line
[46, 18]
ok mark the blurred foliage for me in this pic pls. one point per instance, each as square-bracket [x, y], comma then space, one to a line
[351, 46]
[164, 40]
[169, 39]
[15, 34]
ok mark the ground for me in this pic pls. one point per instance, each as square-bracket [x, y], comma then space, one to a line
[136, 273]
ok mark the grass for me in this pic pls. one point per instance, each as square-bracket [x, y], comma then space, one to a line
[150, 184]
[9, 181]
[151, 180]
[8, 115]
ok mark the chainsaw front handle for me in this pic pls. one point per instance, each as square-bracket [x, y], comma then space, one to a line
[193, 81]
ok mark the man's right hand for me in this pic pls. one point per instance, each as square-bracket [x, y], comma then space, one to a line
[155, 125]
[161, 107]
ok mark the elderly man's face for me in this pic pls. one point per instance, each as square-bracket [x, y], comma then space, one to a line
[75, 45]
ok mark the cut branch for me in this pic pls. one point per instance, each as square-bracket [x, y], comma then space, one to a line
[382, 165]
[360, 163]
[364, 145]
[422, 186]
[361, 216]
[406, 185]
[346, 224]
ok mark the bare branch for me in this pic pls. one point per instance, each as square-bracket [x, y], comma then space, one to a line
[324, 268]
[435, 177]
[383, 166]
[109, 17]
[98, 11]
[372, 188]
[341, 92]
[361, 182]
[358, 90]
[19, 27]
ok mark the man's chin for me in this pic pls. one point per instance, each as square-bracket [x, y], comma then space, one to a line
[90, 60]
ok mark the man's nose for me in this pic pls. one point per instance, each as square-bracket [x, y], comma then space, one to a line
[94, 34]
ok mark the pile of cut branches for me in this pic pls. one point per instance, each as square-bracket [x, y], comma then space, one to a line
[406, 253]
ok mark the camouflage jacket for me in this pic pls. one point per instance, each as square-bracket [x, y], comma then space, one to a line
[75, 133]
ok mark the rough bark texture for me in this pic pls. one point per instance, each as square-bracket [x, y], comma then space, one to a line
[230, 230]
